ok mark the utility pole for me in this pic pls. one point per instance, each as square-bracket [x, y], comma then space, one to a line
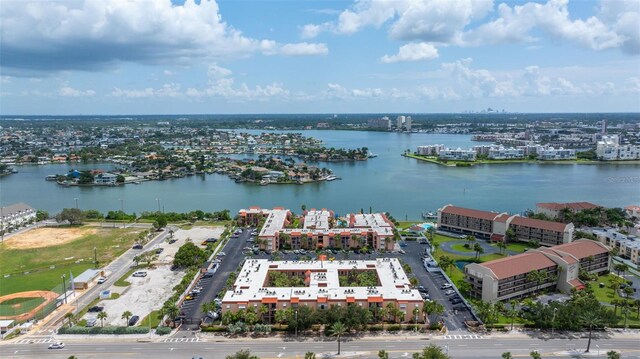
[95, 256]
[296, 322]
[158, 200]
[76, 199]
[64, 287]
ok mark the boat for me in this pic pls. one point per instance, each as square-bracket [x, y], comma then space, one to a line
[331, 178]
[50, 178]
[264, 182]
[13, 170]
[372, 155]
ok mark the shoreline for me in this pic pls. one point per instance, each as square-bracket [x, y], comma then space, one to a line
[501, 162]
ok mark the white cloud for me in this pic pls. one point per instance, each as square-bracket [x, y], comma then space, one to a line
[303, 49]
[168, 73]
[167, 90]
[68, 91]
[225, 88]
[310, 31]
[216, 71]
[40, 36]
[412, 52]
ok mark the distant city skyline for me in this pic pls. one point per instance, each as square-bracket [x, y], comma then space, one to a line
[186, 57]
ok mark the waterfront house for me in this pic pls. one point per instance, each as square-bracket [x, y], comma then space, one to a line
[15, 215]
[105, 179]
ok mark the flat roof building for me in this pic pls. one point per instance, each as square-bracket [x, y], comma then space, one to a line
[323, 286]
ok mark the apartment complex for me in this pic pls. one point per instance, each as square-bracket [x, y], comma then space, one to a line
[15, 215]
[494, 226]
[543, 153]
[610, 149]
[625, 246]
[511, 278]
[381, 123]
[323, 286]
[553, 209]
[430, 150]
[320, 229]
[449, 154]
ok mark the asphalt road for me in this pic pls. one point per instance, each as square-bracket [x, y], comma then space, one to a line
[230, 262]
[398, 347]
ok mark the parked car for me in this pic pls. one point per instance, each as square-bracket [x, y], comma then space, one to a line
[423, 241]
[133, 320]
[222, 254]
[172, 241]
[159, 250]
[421, 288]
[58, 345]
[95, 309]
[449, 292]
[445, 286]
[102, 280]
[139, 274]
[456, 300]
[137, 246]
[91, 322]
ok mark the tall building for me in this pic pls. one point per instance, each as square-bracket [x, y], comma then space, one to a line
[399, 122]
[603, 130]
[407, 123]
[610, 149]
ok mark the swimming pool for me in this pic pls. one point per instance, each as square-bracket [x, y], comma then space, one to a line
[426, 225]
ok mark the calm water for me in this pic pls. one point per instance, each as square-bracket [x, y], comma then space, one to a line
[390, 182]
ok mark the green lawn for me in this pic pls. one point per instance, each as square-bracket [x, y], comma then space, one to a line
[518, 247]
[19, 305]
[122, 281]
[155, 318]
[460, 247]
[47, 265]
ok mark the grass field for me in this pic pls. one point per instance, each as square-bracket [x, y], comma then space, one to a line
[46, 265]
[155, 318]
[460, 247]
[19, 305]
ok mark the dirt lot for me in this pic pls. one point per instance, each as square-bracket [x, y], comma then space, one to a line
[45, 237]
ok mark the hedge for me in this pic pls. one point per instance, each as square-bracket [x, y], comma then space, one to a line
[103, 330]
[394, 328]
[214, 328]
[163, 330]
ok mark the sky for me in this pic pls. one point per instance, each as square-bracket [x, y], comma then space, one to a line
[113, 57]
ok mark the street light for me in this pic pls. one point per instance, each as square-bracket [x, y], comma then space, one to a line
[296, 322]
[95, 256]
[158, 200]
[553, 319]
[64, 287]
[76, 199]
[121, 204]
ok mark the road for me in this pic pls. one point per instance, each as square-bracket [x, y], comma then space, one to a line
[115, 270]
[398, 346]
[230, 262]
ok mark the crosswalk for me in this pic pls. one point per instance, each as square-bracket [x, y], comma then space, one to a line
[466, 336]
[34, 341]
[181, 340]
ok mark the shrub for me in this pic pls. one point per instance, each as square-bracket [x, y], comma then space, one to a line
[375, 327]
[214, 329]
[163, 330]
[262, 329]
[435, 326]
[394, 328]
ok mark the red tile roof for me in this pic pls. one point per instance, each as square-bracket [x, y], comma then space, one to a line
[565, 256]
[468, 212]
[502, 218]
[576, 206]
[582, 248]
[538, 223]
[576, 283]
[518, 264]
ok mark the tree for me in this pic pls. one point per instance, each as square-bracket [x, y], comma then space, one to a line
[171, 310]
[620, 267]
[590, 320]
[338, 330]
[613, 355]
[512, 312]
[432, 308]
[446, 263]
[502, 246]
[102, 316]
[510, 235]
[242, 354]
[382, 354]
[72, 215]
[507, 355]
[478, 249]
[535, 355]
[310, 355]
[281, 316]
[70, 317]
[431, 352]
[160, 222]
[126, 315]
[471, 239]
[189, 255]
[41, 215]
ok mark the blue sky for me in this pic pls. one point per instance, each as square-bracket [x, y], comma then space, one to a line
[156, 56]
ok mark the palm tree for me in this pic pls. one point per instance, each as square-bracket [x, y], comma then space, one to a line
[416, 311]
[620, 267]
[478, 249]
[613, 355]
[590, 320]
[512, 312]
[126, 315]
[337, 330]
[382, 354]
[281, 316]
[172, 311]
[510, 235]
[242, 354]
[431, 232]
[535, 355]
[102, 316]
[636, 303]
[470, 239]
[507, 355]
[384, 312]
[435, 246]
[445, 263]
[70, 317]
[502, 246]
[262, 310]
[310, 355]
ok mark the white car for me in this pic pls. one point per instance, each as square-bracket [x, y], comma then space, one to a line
[140, 274]
[102, 280]
[58, 345]
[222, 254]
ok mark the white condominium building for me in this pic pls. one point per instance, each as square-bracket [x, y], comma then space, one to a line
[609, 149]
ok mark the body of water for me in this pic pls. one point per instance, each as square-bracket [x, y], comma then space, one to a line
[403, 186]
